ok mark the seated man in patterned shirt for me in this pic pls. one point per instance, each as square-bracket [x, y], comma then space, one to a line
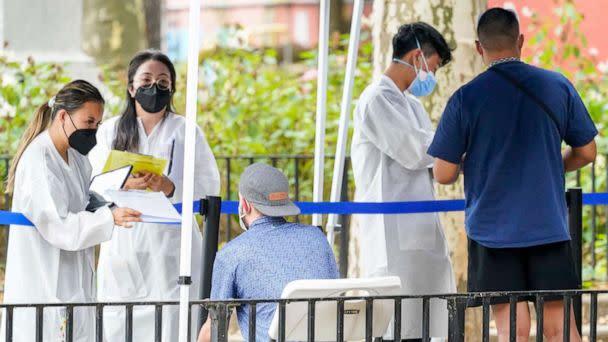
[271, 253]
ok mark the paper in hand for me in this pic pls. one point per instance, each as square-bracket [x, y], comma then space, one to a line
[153, 206]
[140, 162]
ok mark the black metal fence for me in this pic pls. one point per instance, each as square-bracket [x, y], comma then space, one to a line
[220, 311]
[593, 179]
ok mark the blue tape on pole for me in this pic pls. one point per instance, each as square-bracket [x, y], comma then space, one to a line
[340, 208]
[196, 207]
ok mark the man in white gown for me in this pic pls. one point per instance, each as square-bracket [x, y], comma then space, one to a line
[392, 132]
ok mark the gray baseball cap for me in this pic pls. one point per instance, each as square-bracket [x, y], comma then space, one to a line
[267, 189]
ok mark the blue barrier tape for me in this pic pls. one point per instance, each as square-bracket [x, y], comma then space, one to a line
[340, 208]
[343, 208]
[599, 198]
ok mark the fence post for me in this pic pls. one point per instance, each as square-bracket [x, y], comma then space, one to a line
[220, 318]
[344, 225]
[456, 318]
[210, 209]
[574, 200]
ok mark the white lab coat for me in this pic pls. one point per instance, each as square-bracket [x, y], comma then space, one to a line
[392, 132]
[142, 264]
[55, 261]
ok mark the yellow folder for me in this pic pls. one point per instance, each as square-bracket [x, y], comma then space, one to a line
[140, 162]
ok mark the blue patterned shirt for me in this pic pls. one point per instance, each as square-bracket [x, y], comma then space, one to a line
[260, 262]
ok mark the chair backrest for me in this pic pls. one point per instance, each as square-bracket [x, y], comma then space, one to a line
[296, 314]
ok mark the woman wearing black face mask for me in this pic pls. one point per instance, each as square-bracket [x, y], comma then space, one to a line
[142, 264]
[49, 179]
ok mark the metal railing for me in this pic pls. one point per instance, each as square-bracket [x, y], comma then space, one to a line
[593, 178]
[220, 312]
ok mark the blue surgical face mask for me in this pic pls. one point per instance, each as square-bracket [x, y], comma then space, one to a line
[425, 81]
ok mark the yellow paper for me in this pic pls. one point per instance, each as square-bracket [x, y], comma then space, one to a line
[140, 162]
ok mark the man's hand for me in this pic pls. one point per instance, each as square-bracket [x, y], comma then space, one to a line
[445, 172]
[577, 157]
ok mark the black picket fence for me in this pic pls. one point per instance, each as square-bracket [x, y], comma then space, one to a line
[220, 311]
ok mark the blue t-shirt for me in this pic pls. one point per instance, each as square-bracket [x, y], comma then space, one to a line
[513, 169]
[260, 262]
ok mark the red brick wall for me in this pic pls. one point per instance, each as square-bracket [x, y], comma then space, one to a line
[594, 26]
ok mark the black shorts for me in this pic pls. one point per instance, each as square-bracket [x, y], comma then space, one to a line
[536, 268]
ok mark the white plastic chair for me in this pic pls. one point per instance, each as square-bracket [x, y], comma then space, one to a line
[296, 314]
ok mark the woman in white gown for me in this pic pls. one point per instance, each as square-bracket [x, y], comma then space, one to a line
[49, 179]
[143, 264]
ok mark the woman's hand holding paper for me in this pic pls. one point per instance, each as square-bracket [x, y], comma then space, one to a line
[145, 180]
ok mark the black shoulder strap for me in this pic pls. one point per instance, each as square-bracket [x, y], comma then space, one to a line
[533, 96]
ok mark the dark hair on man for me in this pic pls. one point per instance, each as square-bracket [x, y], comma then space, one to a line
[498, 29]
[431, 41]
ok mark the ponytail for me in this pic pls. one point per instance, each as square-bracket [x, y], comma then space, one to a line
[41, 121]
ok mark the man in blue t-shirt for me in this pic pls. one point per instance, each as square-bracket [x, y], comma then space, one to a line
[505, 129]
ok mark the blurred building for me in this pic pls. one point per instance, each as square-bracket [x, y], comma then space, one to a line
[39, 29]
[295, 23]
[593, 27]
[277, 23]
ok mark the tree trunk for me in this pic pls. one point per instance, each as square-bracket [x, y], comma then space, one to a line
[113, 30]
[152, 10]
[456, 20]
[336, 18]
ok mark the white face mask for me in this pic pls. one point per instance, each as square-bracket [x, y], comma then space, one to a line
[241, 216]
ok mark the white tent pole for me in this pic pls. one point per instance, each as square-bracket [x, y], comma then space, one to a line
[349, 79]
[317, 195]
[185, 263]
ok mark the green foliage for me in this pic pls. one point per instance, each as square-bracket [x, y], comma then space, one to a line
[564, 48]
[24, 87]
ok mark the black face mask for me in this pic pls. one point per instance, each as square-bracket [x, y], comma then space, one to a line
[153, 99]
[82, 140]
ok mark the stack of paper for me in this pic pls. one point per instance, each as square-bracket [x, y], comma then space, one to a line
[153, 206]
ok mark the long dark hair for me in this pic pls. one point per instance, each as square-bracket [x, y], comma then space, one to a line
[127, 135]
[70, 98]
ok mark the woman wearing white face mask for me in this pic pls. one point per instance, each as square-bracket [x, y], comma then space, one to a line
[143, 264]
[53, 262]
[392, 132]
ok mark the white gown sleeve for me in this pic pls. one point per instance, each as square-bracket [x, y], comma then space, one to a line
[396, 134]
[46, 206]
